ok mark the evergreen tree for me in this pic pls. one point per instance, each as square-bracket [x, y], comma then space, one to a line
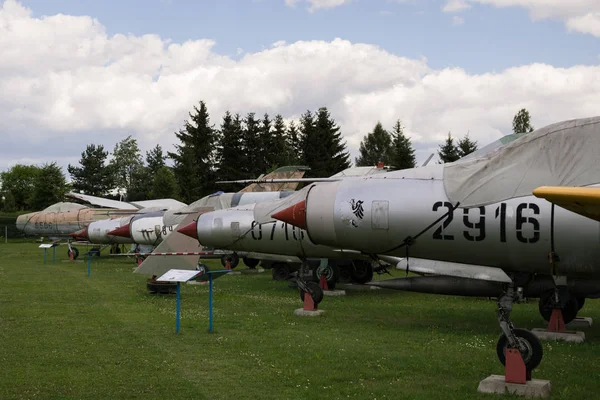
[50, 186]
[252, 146]
[230, 156]
[266, 159]
[448, 151]
[293, 145]
[164, 184]
[20, 182]
[195, 156]
[278, 148]
[93, 177]
[465, 146]
[322, 146]
[375, 147]
[155, 159]
[522, 122]
[402, 154]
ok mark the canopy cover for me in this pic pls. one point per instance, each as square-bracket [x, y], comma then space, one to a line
[562, 154]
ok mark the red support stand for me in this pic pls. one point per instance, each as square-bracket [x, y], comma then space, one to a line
[140, 260]
[514, 368]
[557, 323]
[71, 255]
[309, 304]
[323, 283]
[228, 265]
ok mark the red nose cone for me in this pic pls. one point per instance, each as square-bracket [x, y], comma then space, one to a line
[80, 234]
[189, 230]
[122, 232]
[294, 215]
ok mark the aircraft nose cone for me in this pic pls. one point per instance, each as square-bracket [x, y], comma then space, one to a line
[80, 234]
[294, 215]
[23, 220]
[122, 232]
[189, 230]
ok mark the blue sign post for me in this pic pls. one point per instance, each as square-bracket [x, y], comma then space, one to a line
[178, 308]
[46, 246]
[89, 264]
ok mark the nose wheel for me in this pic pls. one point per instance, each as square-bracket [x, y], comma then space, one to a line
[526, 342]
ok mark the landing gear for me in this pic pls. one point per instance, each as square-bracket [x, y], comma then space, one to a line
[311, 288]
[75, 252]
[251, 263]
[526, 342]
[331, 272]
[361, 272]
[281, 271]
[561, 299]
[233, 259]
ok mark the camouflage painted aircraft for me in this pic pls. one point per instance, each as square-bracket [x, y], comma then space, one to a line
[524, 215]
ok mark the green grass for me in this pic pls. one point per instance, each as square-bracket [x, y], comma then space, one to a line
[64, 335]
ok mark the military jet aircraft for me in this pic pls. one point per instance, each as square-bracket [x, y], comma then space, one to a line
[484, 211]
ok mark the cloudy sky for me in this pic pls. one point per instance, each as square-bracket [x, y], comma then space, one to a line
[78, 72]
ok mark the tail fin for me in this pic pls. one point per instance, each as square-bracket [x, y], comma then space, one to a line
[287, 172]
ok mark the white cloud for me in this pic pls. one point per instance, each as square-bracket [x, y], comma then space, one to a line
[456, 20]
[318, 4]
[65, 83]
[579, 15]
[456, 6]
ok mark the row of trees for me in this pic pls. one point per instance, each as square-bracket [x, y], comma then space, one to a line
[240, 148]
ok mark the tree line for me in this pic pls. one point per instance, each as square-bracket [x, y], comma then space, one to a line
[241, 147]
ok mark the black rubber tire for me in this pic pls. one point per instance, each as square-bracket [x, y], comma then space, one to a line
[75, 253]
[233, 258]
[281, 271]
[532, 358]
[546, 305]
[361, 272]
[345, 274]
[315, 292]
[251, 263]
[580, 302]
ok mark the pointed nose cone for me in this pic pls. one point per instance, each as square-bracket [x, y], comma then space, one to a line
[22, 221]
[81, 234]
[189, 230]
[294, 215]
[122, 232]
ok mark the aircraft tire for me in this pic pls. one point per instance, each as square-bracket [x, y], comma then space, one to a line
[569, 311]
[315, 292]
[345, 274]
[580, 303]
[251, 263]
[75, 253]
[281, 271]
[362, 272]
[233, 258]
[332, 274]
[532, 357]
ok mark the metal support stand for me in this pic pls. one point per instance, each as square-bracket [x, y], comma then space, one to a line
[45, 256]
[178, 308]
[210, 302]
[54, 255]
[89, 265]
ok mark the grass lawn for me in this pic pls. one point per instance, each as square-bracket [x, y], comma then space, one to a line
[65, 335]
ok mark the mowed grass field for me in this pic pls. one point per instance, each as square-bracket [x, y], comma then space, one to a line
[64, 335]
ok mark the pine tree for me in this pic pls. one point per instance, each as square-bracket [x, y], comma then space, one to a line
[195, 156]
[375, 147]
[522, 122]
[265, 138]
[293, 145]
[448, 151]
[230, 156]
[465, 146]
[93, 177]
[50, 186]
[164, 184]
[126, 162]
[322, 146]
[278, 148]
[252, 146]
[155, 159]
[402, 153]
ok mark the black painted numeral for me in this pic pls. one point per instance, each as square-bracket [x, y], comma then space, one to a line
[521, 220]
[439, 232]
[477, 225]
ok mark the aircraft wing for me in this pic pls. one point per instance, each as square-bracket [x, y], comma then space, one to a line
[580, 200]
[283, 180]
[168, 204]
[99, 201]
